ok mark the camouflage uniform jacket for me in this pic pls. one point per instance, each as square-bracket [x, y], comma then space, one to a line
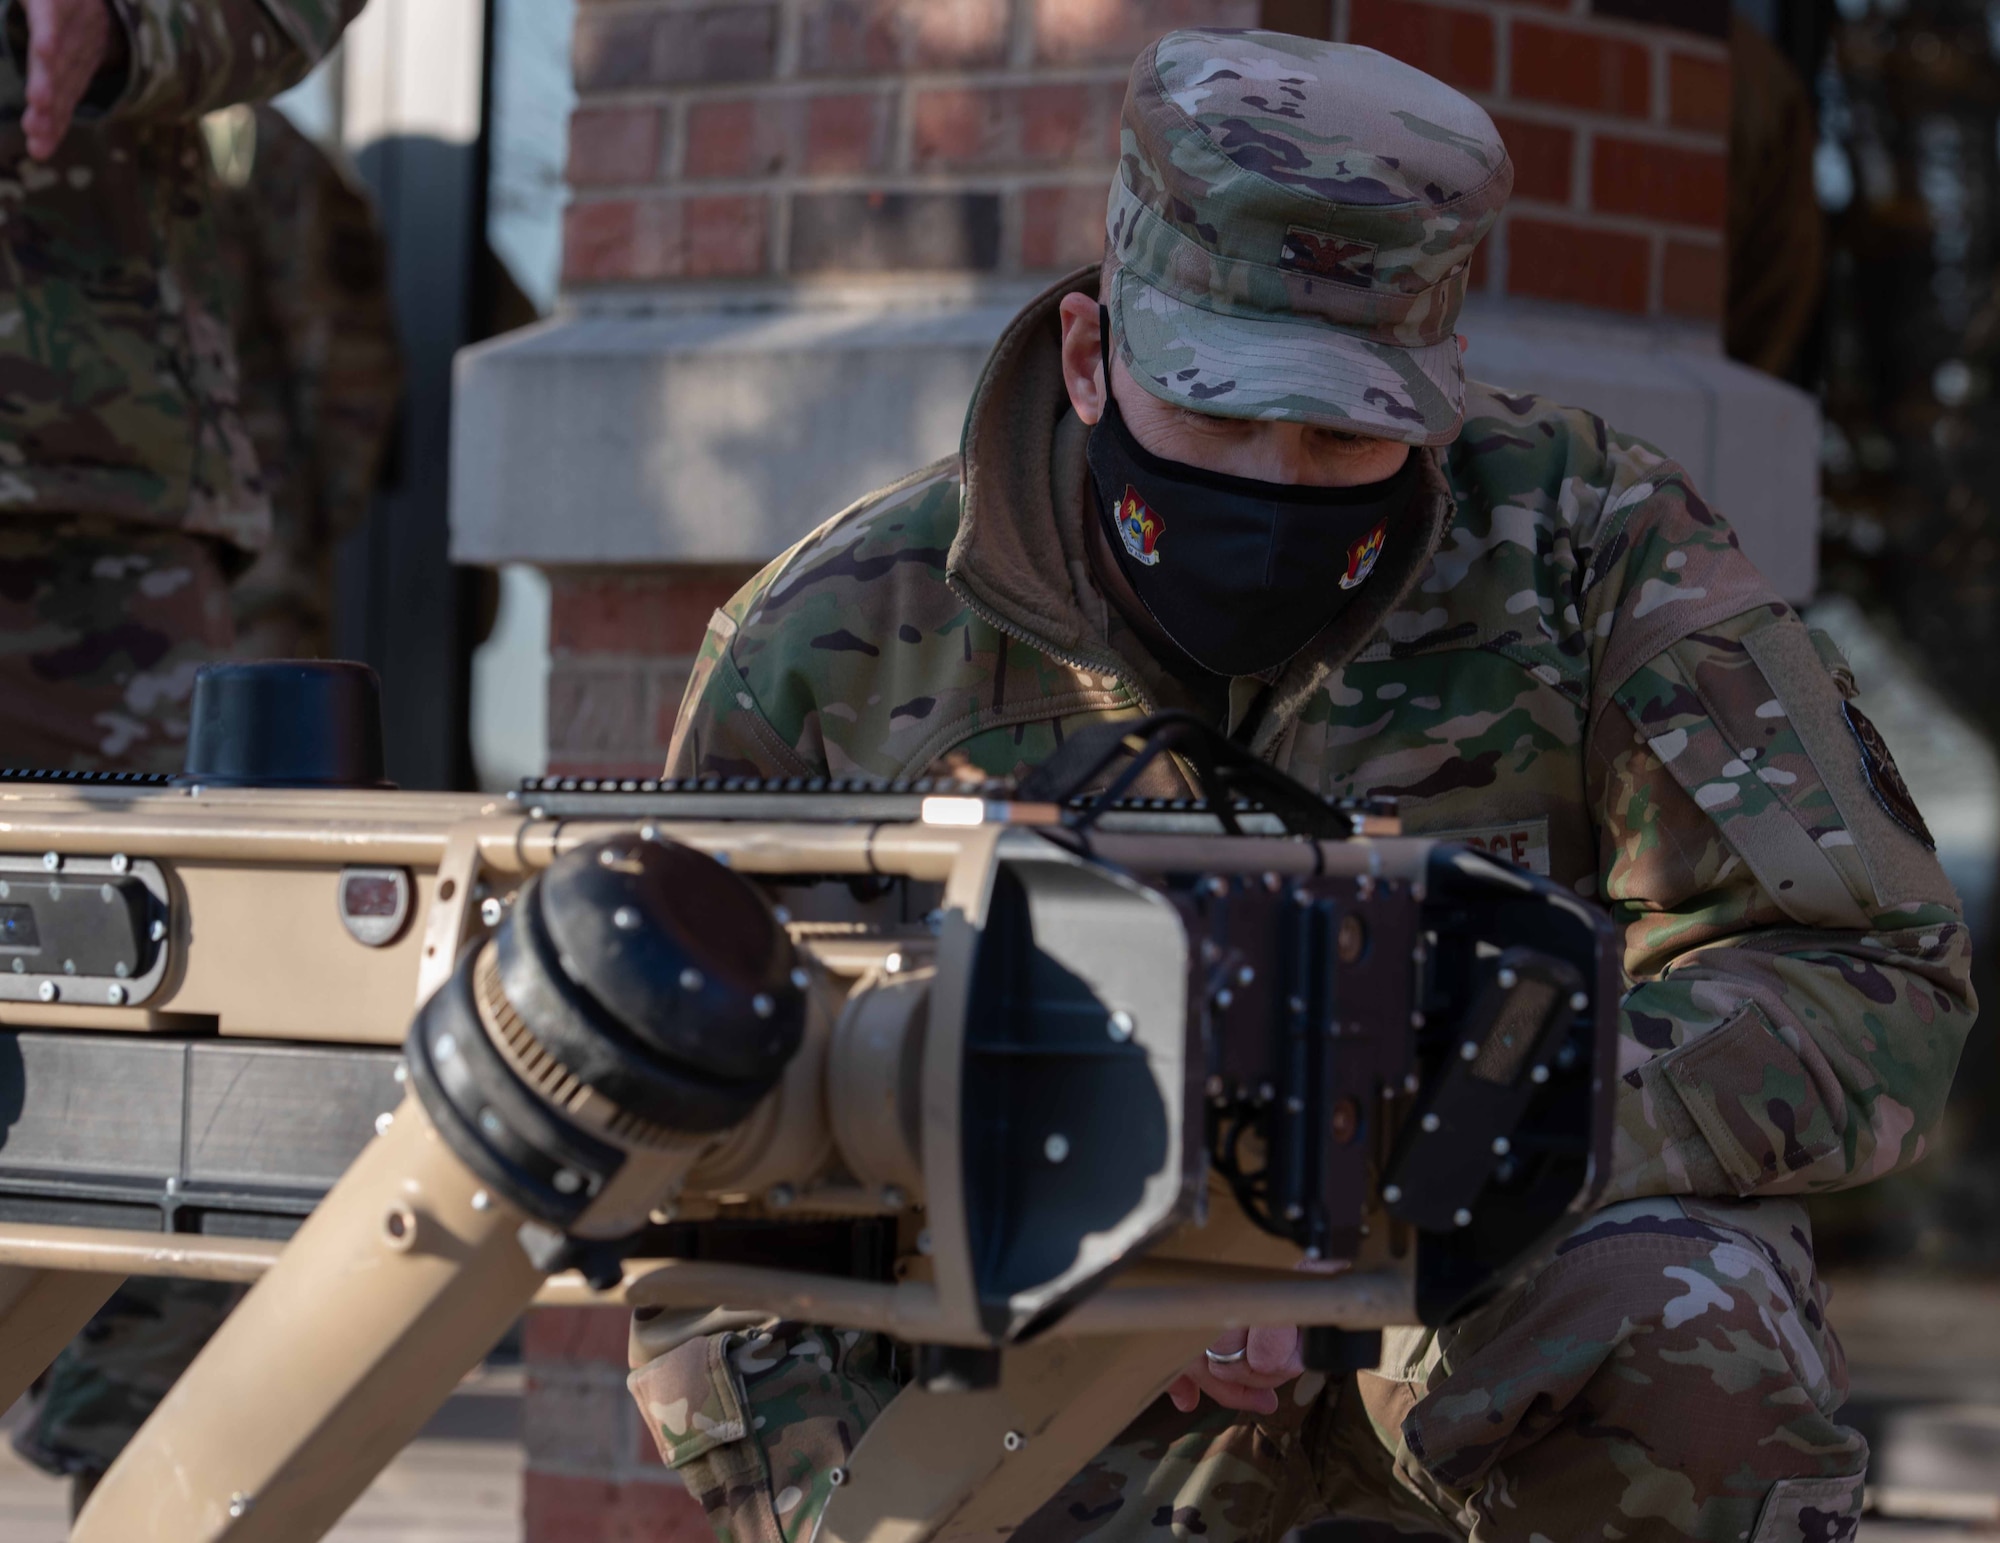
[117, 375]
[1563, 657]
[320, 367]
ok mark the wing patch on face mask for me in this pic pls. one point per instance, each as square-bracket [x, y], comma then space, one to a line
[1362, 555]
[1139, 528]
[1339, 258]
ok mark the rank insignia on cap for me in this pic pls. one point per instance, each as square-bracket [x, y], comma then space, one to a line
[1139, 527]
[1339, 258]
[1361, 557]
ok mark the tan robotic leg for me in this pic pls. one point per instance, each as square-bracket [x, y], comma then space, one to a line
[403, 1278]
[40, 1312]
[977, 1465]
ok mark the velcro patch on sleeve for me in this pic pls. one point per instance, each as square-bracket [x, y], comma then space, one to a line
[1887, 853]
[1727, 735]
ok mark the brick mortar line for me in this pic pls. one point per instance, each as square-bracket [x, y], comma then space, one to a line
[585, 667]
[777, 232]
[1621, 224]
[1659, 66]
[789, 41]
[1550, 115]
[678, 113]
[770, 86]
[577, 1371]
[1497, 256]
[1016, 180]
[902, 147]
[637, 7]
[613, 572]
[585, 570]
[1021, 34]
[1646, 34]
[1013, 233]
[1583, 142]
[628, 1471]
[659, 7]
[1660, 137]
[657, 666]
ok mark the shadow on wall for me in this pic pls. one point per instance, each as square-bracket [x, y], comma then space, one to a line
[403, 607]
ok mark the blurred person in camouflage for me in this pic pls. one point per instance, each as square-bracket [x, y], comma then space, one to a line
[1268, 495]
[320, 370]
[128, 487]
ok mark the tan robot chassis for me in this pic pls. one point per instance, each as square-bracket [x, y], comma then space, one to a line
[1095, 1089]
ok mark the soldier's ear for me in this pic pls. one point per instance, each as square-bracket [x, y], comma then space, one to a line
[1083, 356]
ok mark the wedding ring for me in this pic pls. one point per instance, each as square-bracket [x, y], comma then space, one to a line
[1226, 1360]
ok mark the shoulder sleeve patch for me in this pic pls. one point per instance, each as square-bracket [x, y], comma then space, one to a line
[1738, 768]
[1896, 853]
[1884, 779]
[1753, 728]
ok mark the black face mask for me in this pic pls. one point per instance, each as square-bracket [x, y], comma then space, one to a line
[1240, 574]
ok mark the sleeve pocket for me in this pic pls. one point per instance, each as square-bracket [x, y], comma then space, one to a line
[690, 1399]
[1753, 1101]
[1803, 1510]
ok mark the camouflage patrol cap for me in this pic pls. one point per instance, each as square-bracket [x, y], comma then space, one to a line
[1290, 230]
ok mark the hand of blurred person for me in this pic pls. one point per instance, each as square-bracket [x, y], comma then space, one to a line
[1241, 1371]
[68, 42]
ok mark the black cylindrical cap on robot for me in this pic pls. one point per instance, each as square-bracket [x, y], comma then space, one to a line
[286, 723]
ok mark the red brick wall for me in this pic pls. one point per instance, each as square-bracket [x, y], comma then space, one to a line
[1619, 131]
[621, 643]
[771, 139]
[781, 138]
[594, 1474]
[767, 139]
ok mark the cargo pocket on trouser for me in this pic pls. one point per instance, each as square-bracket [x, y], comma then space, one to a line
[755, 1423]
[1663, 1373]
[1811, 1511]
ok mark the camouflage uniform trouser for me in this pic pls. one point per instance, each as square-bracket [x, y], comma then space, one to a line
[102, 626]
[1669, 1375]
[114, 1374]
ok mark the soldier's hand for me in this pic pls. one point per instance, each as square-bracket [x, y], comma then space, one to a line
[1273, 1358]
[68, 41]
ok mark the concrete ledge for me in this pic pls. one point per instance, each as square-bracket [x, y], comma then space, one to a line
[699, 437]
[1750, 442]
[705, 435]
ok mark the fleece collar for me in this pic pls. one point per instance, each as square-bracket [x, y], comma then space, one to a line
[1011, 558]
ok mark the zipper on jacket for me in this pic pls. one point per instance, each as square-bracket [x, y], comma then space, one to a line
[1075, 661]
[1021, 635]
